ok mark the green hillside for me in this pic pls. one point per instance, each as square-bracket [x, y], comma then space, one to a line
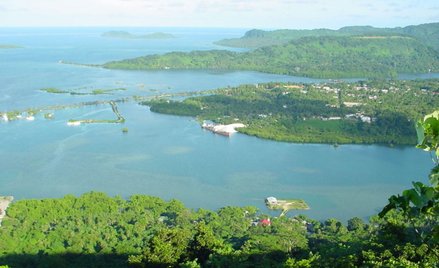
[426, 33]
[322, 57]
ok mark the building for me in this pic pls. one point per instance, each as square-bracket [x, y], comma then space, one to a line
[265, 222]
[271, 200]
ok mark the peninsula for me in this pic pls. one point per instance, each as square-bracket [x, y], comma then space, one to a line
[336, 113]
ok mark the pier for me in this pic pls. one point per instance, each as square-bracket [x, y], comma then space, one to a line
[225, 130]
[285, 205]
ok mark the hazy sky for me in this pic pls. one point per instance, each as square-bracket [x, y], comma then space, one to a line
[218, 13]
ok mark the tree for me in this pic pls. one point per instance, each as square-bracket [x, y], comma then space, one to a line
[167, 247]
[204, 242]
[419, 205]
[355, 224]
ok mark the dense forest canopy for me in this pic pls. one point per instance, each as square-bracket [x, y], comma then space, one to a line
[321, 57]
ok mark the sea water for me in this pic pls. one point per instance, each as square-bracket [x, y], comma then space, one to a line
[169, 156]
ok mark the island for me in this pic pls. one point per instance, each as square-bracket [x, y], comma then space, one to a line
[7, 46]
[365, 112]
[367, 56]
[128, 35]
[80, 92]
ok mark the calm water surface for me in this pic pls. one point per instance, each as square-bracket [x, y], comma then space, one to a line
[167, 156]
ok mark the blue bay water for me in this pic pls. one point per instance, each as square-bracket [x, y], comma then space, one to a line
[168, 156]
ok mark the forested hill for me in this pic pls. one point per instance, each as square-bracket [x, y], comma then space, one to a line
[426, 33]
[322, 57]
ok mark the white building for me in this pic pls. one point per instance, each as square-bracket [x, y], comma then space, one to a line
[271, 200]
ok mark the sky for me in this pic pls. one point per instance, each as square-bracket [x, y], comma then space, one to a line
[265, 14]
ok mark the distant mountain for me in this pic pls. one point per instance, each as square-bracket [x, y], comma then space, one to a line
[322, 57]
[127, 35]
[426, 33]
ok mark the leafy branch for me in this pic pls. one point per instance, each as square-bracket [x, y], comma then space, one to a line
[420, 204]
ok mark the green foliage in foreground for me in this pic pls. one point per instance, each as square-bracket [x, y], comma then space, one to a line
[420, 205]
[325, 57]
[95, 230]
[301, 113]
[426, 33]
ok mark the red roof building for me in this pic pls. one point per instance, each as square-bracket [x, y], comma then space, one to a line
[265, 222]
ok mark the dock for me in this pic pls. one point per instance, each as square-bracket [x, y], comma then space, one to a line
[225, 130]
[5, 201]
[120, 119]
[285, 205]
